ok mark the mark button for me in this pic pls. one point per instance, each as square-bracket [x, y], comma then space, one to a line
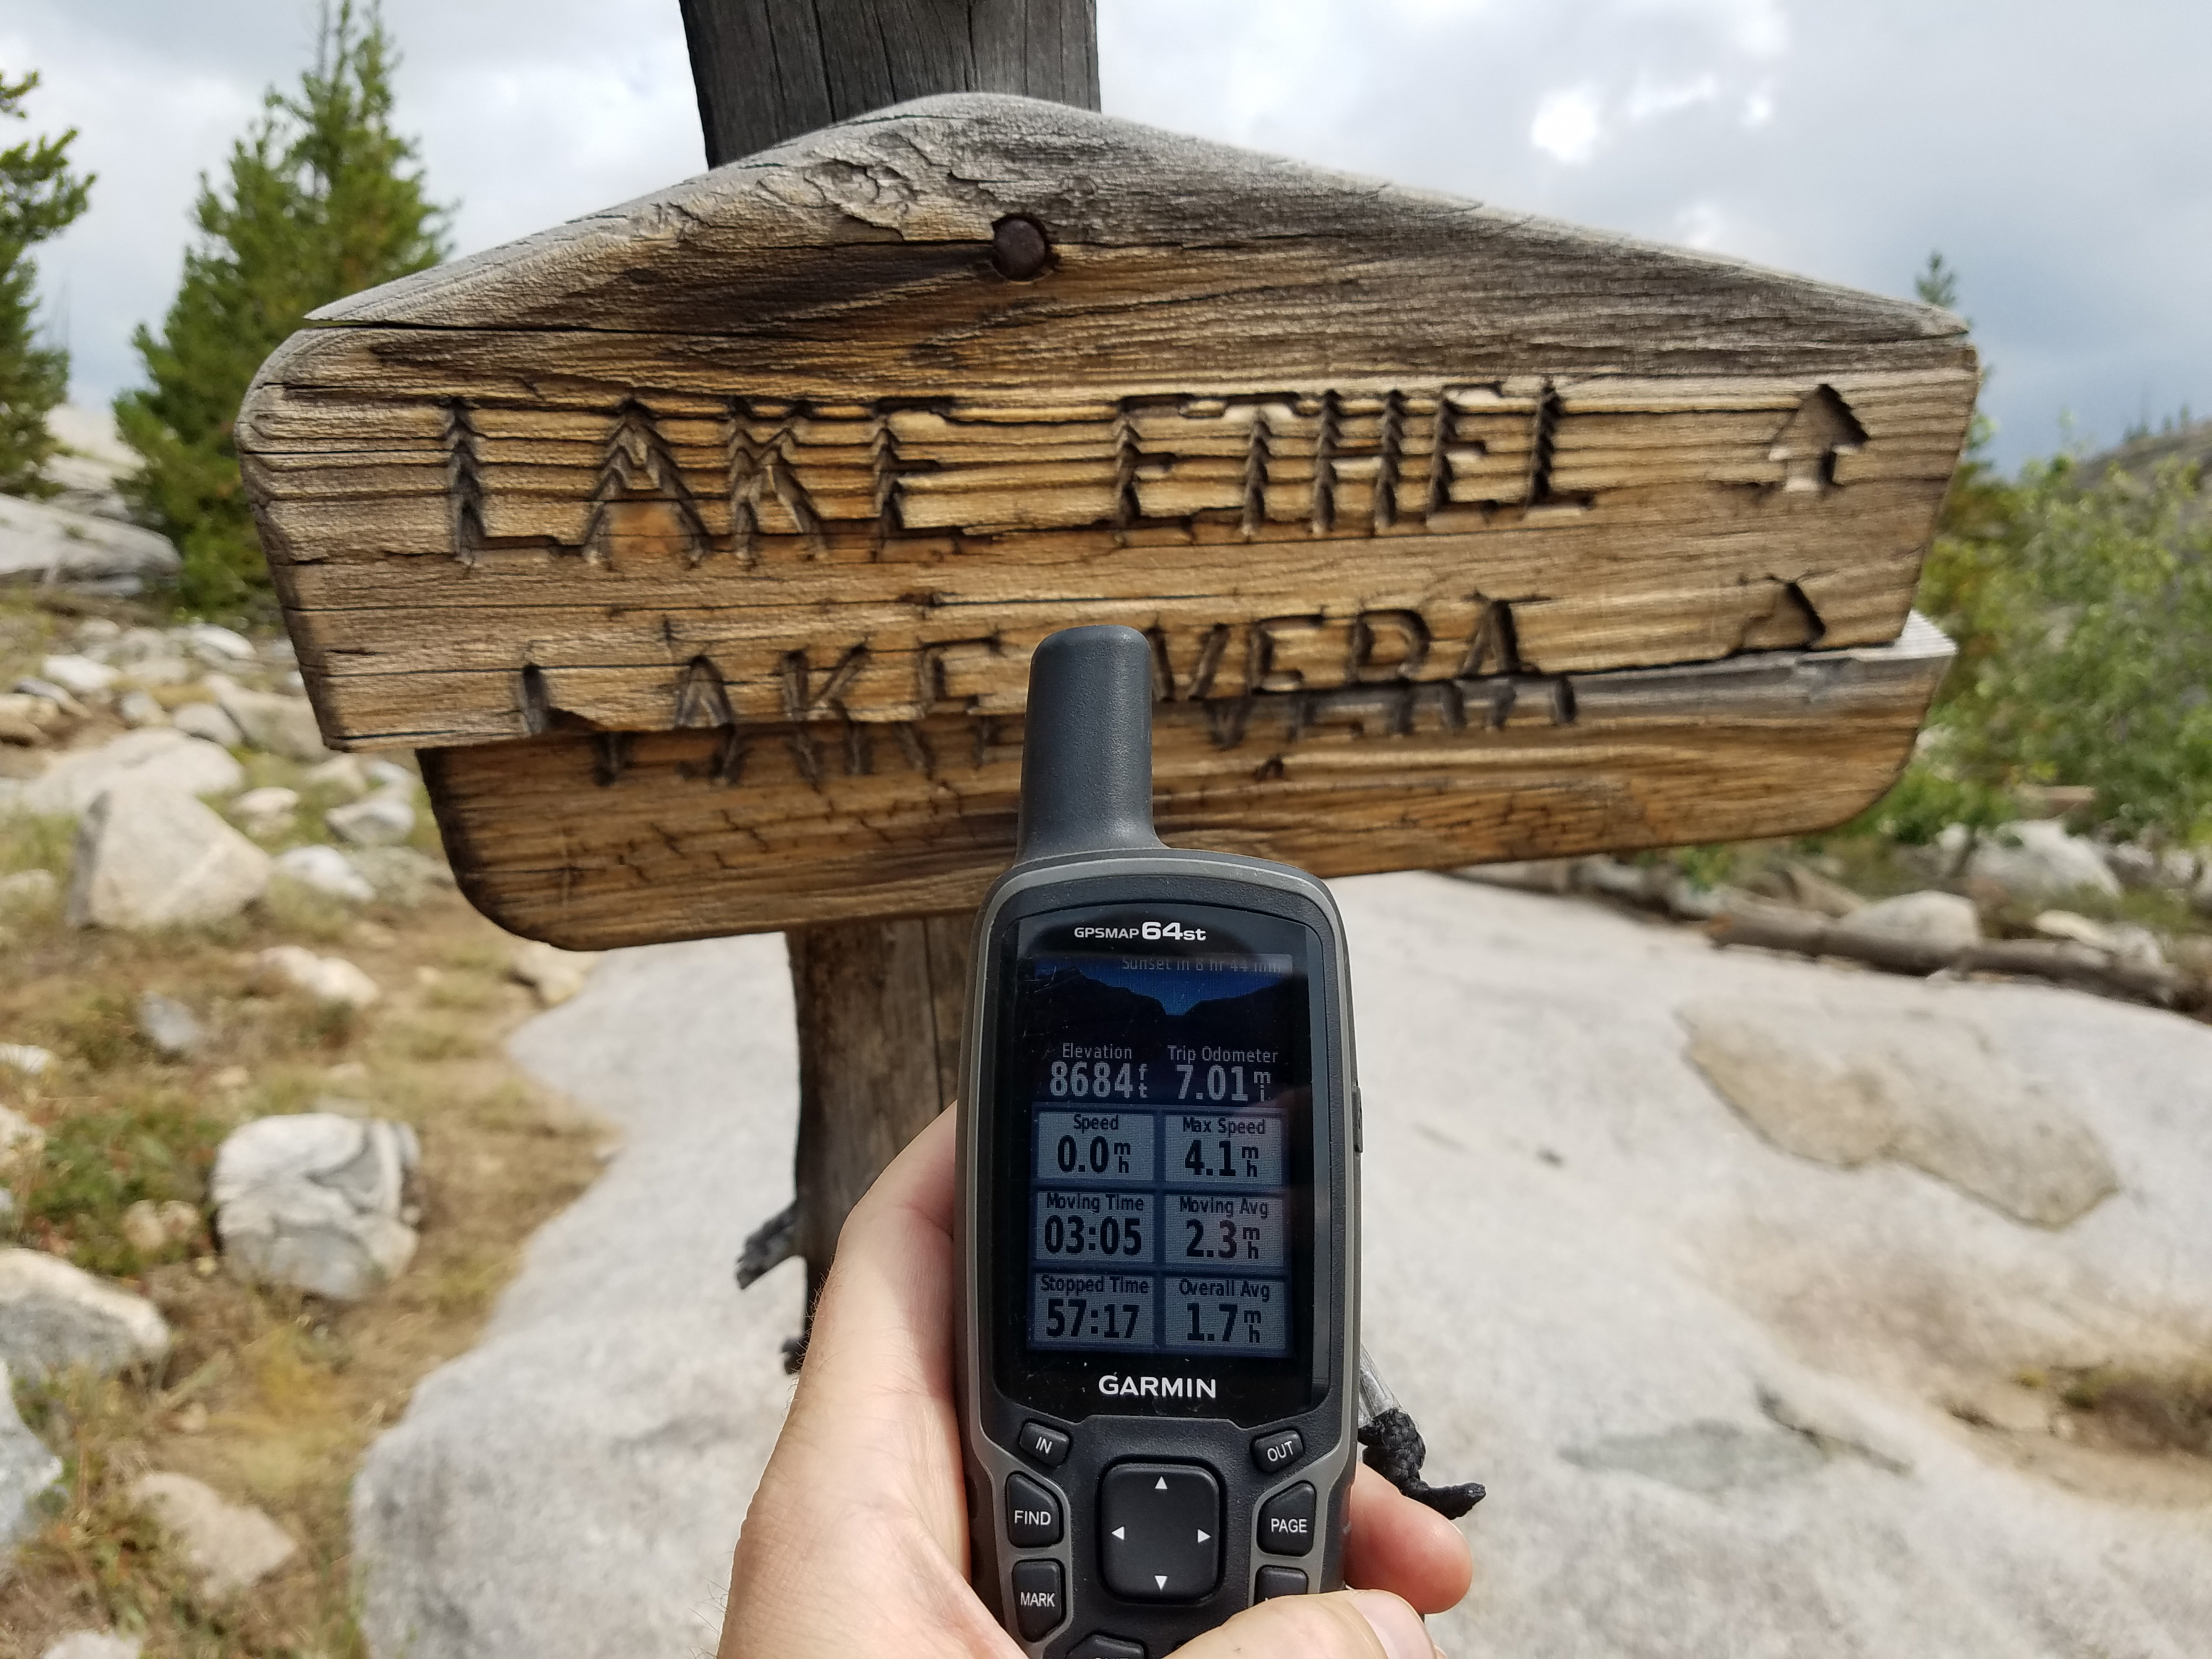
[1040, 1598]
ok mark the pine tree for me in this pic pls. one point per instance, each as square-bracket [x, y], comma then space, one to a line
[324, 199]
[39, 198]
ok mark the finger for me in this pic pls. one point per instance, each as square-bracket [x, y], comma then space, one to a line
[1404, 1548]
[888, 1302]
[919, 1181]
[1349, 1625]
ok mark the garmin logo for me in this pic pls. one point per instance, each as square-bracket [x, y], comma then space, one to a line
[1152, 930]
[1158, 1387]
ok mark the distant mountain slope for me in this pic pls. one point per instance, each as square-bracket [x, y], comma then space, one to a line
[2190, 443]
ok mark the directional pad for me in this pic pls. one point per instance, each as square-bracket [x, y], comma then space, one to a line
[1159, 1531]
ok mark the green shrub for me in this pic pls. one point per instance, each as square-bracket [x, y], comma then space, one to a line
[100, 1160]
[2084, 622]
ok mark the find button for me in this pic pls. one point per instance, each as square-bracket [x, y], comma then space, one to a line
[1032, 1514]
[1286, 1521]
[1271, 1452]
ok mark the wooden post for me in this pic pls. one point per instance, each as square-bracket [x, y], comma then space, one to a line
[768, 69]
[879, 1010]
[879, 1002]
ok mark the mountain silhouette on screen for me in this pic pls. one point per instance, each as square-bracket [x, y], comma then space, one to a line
[1068, 1001]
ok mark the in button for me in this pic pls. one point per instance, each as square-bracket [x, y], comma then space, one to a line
[1159, 1531]
[1044, 1445]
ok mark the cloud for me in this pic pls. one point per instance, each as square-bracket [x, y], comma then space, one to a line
[1568, 126]
[2065, 171]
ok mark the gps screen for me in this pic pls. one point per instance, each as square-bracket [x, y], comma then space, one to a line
[1166, 1080]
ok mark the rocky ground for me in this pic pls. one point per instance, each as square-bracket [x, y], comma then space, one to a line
[1787, 1307]
[263, 1164]
[1849, 1296]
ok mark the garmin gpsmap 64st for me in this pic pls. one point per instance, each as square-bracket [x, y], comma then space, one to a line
[1159, 1332]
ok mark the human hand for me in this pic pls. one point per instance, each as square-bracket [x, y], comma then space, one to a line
[856, 1544]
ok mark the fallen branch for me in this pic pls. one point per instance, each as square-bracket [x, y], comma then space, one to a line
[2063, 962]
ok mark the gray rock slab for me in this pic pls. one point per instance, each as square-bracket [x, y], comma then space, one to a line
[208, 723]
[150, 856]
[27, 1469]
[80, 675]
[159, 755]
[95, 1644]
[56, 546]
[1706, 1379]
[2038, 861]
[1943, 920]
[1927, 1089]
[400, 875]
[53, 1316]
[227, 1547]
[383, 819]
[654, 1390]
[314, 1201]
[29, 889]
[327, 871]
[271, 721]
[169, 1026]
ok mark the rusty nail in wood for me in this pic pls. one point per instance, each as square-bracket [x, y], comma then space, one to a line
[1019, 251]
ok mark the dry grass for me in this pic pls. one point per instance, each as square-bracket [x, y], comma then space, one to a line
[270, 1398]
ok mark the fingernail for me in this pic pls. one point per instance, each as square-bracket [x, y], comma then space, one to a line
[1396, 1625]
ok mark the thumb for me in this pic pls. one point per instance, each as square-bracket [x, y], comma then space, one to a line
[1348, 1624]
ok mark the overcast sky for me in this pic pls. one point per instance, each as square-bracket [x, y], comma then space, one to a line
[2059, 155]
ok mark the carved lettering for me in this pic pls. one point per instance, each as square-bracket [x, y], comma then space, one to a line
[701, 696]
[1272, 652]
[463, 482]
[1205, 663]
[803, 477]
[1387, 645]
[805, 703]
[942, 684]
[639, 470]
[1822, 428]
[1493, 641]
[761, 471]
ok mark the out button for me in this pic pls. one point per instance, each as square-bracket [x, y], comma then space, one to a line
[1159, 1531]
[1271, 1452]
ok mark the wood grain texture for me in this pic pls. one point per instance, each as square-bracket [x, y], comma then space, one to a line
[879, 1007]
[784, 431]
[594, 841]
[766, 71]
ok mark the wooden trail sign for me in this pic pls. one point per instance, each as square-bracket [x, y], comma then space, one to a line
[701, 545]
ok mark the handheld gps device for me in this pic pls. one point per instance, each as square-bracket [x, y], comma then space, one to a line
[1159, 1332]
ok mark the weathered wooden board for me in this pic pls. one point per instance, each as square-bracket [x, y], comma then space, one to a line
[788, 417]
[595, 841]
[701, 544]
